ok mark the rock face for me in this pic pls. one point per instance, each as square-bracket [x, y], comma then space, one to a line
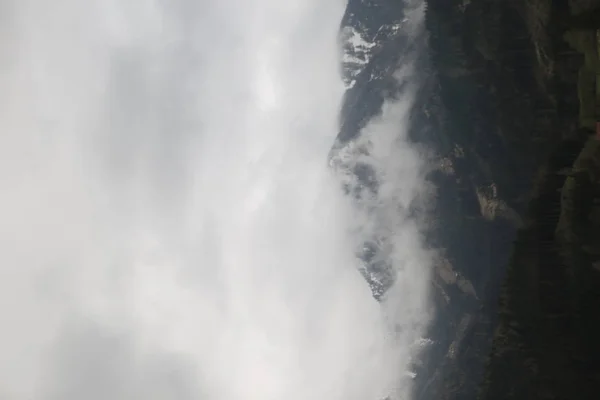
[476, 211]
[366, 27]
[498, 97]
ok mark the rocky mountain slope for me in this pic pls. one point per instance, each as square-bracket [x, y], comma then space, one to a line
[498, 98]
[546, 344]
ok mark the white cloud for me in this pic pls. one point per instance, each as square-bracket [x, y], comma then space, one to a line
[170, 228]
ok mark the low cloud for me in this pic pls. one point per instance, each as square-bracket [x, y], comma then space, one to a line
[170, 227]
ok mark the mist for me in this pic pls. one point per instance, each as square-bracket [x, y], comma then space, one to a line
[171, 227]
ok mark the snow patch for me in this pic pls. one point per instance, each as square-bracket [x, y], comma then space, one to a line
[357, 52]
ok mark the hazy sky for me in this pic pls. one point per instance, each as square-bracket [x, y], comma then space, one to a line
[169, 226]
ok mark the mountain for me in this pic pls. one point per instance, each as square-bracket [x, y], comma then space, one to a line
[475, 219]
[366, 27]
[497, 100]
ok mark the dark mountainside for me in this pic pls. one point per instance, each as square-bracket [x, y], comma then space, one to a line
[517, 282]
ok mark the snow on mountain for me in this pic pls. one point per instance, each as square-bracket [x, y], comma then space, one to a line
[359, 47]
[356, 54]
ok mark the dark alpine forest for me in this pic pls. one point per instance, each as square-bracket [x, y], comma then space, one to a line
[508, 103]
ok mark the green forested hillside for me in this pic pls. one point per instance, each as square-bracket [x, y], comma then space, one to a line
[517, 88]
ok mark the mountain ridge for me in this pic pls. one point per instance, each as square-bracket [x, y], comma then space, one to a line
[492, 115]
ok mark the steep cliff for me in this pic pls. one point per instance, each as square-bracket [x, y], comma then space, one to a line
[499, 106]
